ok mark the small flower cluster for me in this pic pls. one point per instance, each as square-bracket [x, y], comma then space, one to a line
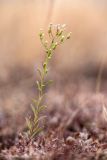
[56, 33]
[57, 36]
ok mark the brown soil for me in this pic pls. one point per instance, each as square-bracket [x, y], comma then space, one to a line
[76, 124]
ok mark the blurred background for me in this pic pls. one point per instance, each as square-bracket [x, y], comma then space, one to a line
[20, 21]
[21, 51]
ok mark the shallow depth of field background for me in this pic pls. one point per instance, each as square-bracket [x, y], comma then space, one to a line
[20, 21]
[21, 51]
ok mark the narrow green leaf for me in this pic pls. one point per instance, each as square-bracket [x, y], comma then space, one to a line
[49, 82]
[41, 108]
[40, 72]
[29, 124]
[39, 85]
[45, 67]
[37, 131]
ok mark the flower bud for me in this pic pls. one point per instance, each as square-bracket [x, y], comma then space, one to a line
[69, 35]
[60, 32]
[54, 45]
[50, 28]
[41, 35]
[62, 38]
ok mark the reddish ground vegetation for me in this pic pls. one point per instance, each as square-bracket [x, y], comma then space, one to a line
[76, 127]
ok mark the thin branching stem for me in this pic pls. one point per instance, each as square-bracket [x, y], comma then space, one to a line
[33, 124]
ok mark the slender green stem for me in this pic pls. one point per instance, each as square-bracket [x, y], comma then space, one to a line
[56, 39]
